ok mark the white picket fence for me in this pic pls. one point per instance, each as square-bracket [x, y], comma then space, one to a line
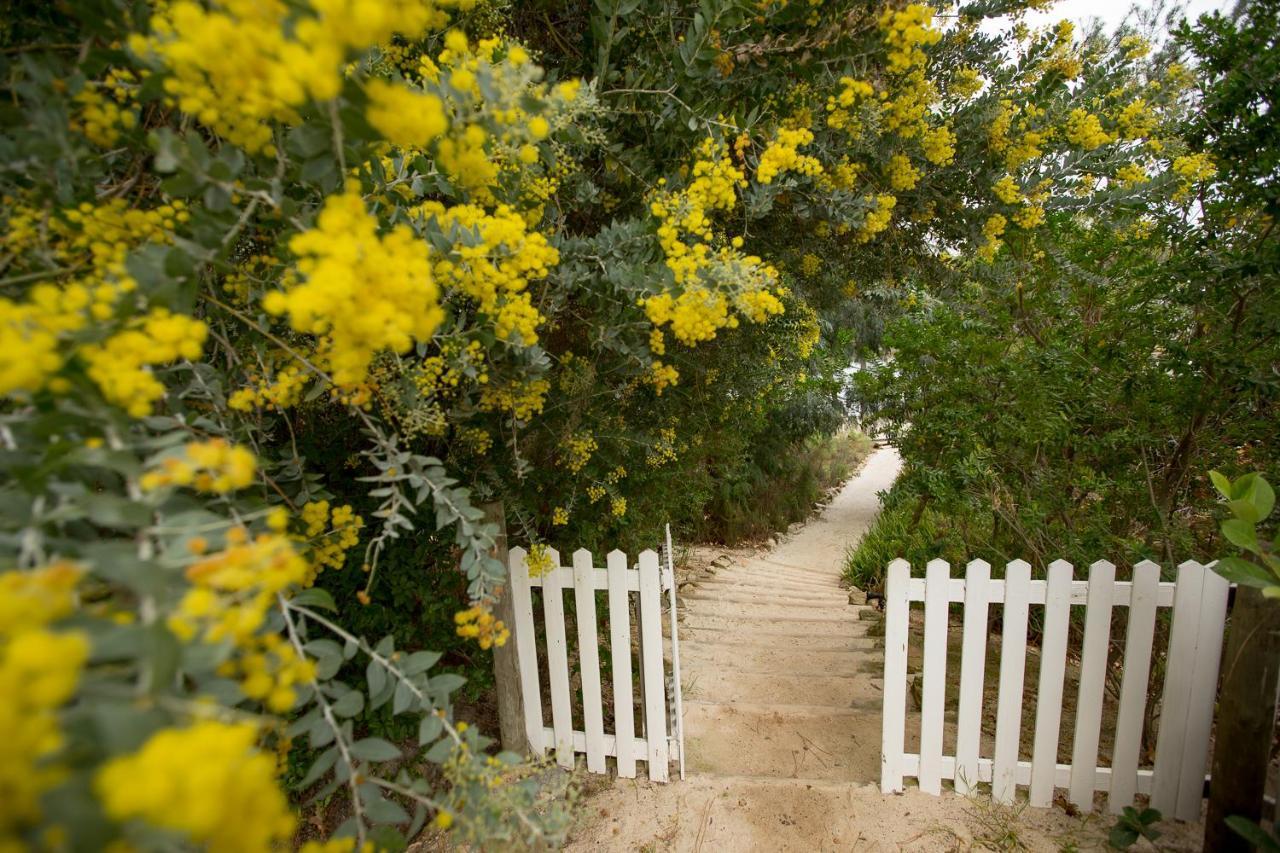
[653, 744]
[1175, 782]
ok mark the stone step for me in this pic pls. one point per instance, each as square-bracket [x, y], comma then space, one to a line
[769, 610]
[847, 641]
[775, 626]
[776, 596]
[833, 744]
[859, 691]
[701, 657]
[774, 575]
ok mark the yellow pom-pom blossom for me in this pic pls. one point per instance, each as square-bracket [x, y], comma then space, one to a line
[496, 269]
[405, 117]
[907, 32]
[240, 64]
[661, 376]
[939, 145]
[1084, 129]
[213, 466]
[1135, 119]
[810, 264]
[208, 782]
[479, 624]
[902, 175]
[121, 366]
[39, 670]
[1006, 189]
[783, 155]
[878, 216]
[363, 291]
[992, 230]
[1192, 169]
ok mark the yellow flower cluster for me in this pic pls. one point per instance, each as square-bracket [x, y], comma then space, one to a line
[213, 466]
[207, 782]
[907, 32]
[105, 109]
[715, 180]
[495, 269]
[332, 532]
[1012, 134]
[939, 145]
[905, 113]
[1084, 129]
[479, 624]
[121, 366]
[695, 315]
[269, 671]
[663, 449]
[1135, 47]
[661, 376]
[577, 451]
[810, 264]
[1131, 174]
[902, 175]
[783, 155]
[1135, 119]
[363, 291]
[539, 560]
[839, 106]
[1192, 169]
[405, 117]
[560, 516]
[522, 399]
[878, 216]
[280, 392]
[992, 230]
[617, 506]
[39, 670]
[240, 64]
[967, 82]
[1063, 56]
[1006, 189]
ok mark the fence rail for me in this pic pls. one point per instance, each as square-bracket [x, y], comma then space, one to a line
[652, 745]
[1175, 781]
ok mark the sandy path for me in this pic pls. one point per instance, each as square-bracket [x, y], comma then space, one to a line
[782, 693]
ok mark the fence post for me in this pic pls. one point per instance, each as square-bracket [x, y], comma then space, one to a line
[1246, 716]
[506, 667]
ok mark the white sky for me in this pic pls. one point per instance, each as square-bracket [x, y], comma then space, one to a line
[1112, 12]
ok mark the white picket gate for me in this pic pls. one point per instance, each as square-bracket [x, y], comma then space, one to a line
[653, 744]
[1176, 780]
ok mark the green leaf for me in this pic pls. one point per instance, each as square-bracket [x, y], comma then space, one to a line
[1221, 483]
[1254, 834]
[319, 767]
[1262, 497]
[429, 729]
[1242, 571]
[375, 749]
[404, 698]
[441, 751]
[315, 597]
[420, 662]
[349, 704]
[1240, 533]
[381, 810]
[376, 675]
[1244, 510]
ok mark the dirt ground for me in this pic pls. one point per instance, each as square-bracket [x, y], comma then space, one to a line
[782, 683]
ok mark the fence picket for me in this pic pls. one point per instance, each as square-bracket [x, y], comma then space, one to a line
[1053, 660]
[1211, 620]
[1093, 674]
[1133, 686]
[526, 649]
[933, 696]
[558, 663]
[584, 596]
[893, 734]
[620, 648]
[655, 699]
[973, 662]
[1013, 660]
[1177, 687]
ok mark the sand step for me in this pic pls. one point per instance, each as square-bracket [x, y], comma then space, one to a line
[758, 658]
[773, 576]
[797, 612]
[783, 597]
[771, 626]
[858, 691]
[758, 741]
[847, 641]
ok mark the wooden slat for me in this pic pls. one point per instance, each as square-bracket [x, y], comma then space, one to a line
[620, 647]
[558, 665]
[639, 750]
[893, 733]
[1079, 592]
[1093, 675]
[584, 596]
[1013, 659]
[1022, 773]
[1053, 660]
[1176, 699]
[1133, 686]
[933, 696]
[599, 577]
[1211, 620]
[655, 699]
[526, 650]
[973, 665]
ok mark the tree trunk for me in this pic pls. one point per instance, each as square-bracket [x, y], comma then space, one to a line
[1246, 717]
[506, 668]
